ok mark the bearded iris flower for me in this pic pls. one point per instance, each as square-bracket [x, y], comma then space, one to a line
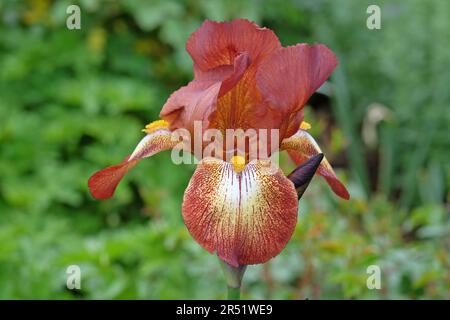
[243, 79]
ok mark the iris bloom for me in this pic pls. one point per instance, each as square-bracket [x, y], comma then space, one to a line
[243, 79]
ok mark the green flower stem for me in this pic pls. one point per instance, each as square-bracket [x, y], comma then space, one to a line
[233, 276]
[234, 293]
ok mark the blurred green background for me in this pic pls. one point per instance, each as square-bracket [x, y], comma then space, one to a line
[74, 101]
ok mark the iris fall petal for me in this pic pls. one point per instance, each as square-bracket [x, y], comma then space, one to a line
[246, 217]
[103, 183]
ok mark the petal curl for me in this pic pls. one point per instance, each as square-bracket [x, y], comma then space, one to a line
[246, 217]
[194, 102]
[290, 75]
[103, 183]
[229, 75]
[301, 146]
[197, 100]
[214, 48]
[216, 44]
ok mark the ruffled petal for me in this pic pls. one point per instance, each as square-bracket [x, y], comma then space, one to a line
[290, 75]
[216, 44]
[197, 100]
[229, 75]
[246, 217]
[194, 102]
[301, 146]
[216, 48]
[103, 183]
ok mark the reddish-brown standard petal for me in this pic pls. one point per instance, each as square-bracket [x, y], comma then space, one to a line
[301, 146]
[216, 44]
[197, 100]
[225, 56]
[246, 217]
[290, 76]
[229, 75]
[103, 183]
[194, 102]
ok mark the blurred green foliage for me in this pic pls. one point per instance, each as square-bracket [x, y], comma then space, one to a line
[74, 101]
